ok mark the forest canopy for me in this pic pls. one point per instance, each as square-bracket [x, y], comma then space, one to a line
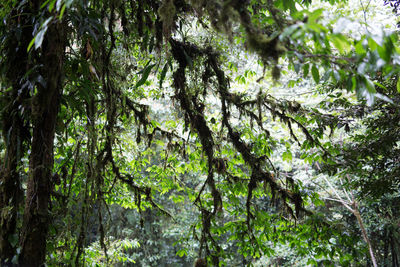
[205, 133]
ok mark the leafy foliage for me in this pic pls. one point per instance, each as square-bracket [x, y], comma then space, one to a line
[157, 129]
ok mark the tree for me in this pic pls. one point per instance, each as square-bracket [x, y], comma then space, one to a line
[43, 109]
[368, 165]
[68, 88]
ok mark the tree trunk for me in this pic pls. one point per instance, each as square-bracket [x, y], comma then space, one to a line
[14, 131]
[365, 236]
[10, 194]
[45, 107]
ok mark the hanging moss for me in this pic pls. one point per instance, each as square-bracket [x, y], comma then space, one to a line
[267, 47]
[167, 12]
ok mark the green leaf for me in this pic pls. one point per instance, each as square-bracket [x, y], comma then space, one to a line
[58, 5]
[38, 39]
[62, 11]
[380, 85]
[340, 42]
[145, 74]
[288, 31]
[354, 83]
[188, 59]
[151, 44]
[351, 83]
[291, 83]
[370, 86]
[372, 44]
[370, 97]
[31, 44]
[289, 4]
[51, 5]
[315, 15]
[296, 67]
[306, 69]
[362, 68]
[384, 98]
[44, 4]
[359, 48]
[336, 75]
[181, 253]
[13, 239]
[163, 73]
[315, 74]
[287, 156]
[398, 85]
[384, 53]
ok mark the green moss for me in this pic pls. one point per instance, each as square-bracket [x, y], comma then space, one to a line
[167, 13]
[268, 48]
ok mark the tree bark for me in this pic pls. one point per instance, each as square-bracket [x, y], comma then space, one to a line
[14, 131]
[45, 107]
[10, 195]
[365, 235]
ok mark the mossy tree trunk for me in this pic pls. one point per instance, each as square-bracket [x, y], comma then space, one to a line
[14, 129]
[45, 107]
[10, 192]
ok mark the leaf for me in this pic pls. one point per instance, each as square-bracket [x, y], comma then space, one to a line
[315, 74]
[51, 5]
[370, 86]
[296, 67]
[341, 43]
[315, 15]
[62, 12]
[360, 50]
[145, 74]
[398, 85]
[287, 156]
[58, 5]
[41, 81]
[44, 4]
[13, 239]
[31, 43]
[289, 4]
[384, 53]
[370, 97]
[181, 253]
[336, 75]
[351, 83]
[38, 39]
[291, 83]
[163, 73]
[372, 44]
[151, 44]
[288, 31]
[362, 68]
[306, 69]
[384, 98]
[188, 59]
